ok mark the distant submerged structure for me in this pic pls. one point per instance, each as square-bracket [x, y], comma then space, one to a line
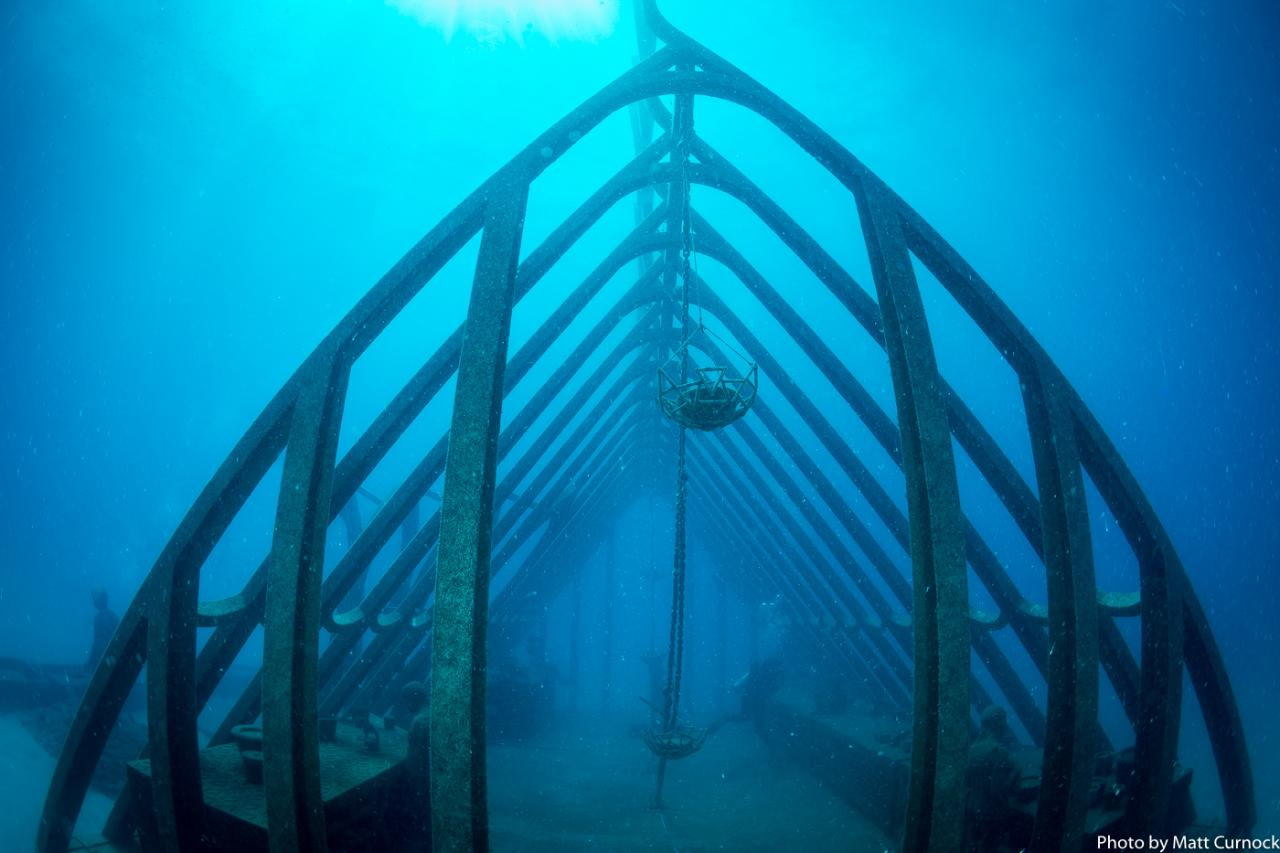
[325, 756]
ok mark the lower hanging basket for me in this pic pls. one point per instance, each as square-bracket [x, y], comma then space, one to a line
[680, 742]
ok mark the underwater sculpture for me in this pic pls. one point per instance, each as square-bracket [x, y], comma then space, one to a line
[714, 397]
[288, 596]
[992, 775]
[104, 625]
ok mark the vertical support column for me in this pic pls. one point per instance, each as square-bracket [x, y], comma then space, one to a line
[177, 790]
[935, 818]
[1067, 771]
[1163, 610]
[108, 689]
[459, 816]
[1156, 748]
[675, 647]
[291, 746]
[1208, 672]
[161, 625]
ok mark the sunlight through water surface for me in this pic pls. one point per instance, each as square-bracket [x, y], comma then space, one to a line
[499, 20]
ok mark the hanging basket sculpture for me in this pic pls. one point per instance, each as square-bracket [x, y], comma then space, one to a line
[714, 397]
[680, 742]
[713, 400]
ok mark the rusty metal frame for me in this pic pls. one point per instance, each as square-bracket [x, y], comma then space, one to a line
[287, 595]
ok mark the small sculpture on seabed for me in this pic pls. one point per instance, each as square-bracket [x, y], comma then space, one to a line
[409, 814]
[414, 697]
[992, 777]
[371, 739]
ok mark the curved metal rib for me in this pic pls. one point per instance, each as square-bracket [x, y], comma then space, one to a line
[286, 592]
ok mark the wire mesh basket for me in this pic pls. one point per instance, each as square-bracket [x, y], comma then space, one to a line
[680, 742]
[709, 402]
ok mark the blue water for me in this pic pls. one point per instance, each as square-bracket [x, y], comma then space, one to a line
[192, 196]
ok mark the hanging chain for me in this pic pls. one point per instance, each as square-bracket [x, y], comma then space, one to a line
[675, 656]
[686, 239]
[688, 252]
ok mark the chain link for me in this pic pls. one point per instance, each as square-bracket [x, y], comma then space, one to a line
[675, 655]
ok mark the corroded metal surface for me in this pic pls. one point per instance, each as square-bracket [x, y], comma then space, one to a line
[907, 639]
[1067, 775]
[291, 744]
[459, 818]
[935, 818]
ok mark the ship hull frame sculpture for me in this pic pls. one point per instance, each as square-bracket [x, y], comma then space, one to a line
[915, 654]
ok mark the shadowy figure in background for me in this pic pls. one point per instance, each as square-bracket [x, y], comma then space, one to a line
[414, 696]
[407, 826]
[758, 687]
[104, 626]
[759, 684]
[992, 777]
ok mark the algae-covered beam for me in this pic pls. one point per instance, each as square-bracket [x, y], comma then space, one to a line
[125, 655]
[1066, 775]
[939, 744]
[988, 569]
[564, 511]
[982, 449]
[399, 572]
[290, 741]
[1164, 590]
[411, 659]
[1010, 684]
[459, 817]
[555, 562]
[579, 441]
[379, 678]
[235, 618]
[1208, 672]
[396, 508]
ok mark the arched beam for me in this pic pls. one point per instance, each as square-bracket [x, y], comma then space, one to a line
[459, 808]
[395, 676]
[1164, 609]
[1010, 684]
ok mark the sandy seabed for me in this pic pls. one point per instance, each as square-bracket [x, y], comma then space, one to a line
[584, 786]
[590, 787]
[25, 771]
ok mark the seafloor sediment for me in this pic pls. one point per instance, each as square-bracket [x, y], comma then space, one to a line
[589, 786]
